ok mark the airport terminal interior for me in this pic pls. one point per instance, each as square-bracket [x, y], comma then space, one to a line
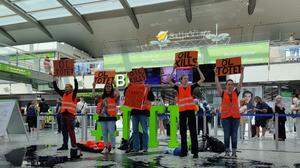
[150, 83]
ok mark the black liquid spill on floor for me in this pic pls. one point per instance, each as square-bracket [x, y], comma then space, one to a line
[222, 161]
[18, 156]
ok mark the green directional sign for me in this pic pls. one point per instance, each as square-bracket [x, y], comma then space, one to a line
[14, 69]
[31, 56]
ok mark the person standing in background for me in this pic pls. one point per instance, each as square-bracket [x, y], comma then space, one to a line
[81, 106]
[296, 109]
[31, 113]
[47, 65]
[243, 110]
[44, 107]
[58, 115]
[248, 96]
[260, 121]
[280, 109]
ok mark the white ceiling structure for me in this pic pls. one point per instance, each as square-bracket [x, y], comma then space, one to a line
[109, 26]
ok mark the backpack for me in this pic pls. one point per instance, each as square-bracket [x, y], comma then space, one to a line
[31, 111]
[215, 145]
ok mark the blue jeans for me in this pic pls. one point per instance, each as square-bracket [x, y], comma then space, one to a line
[136, 119]
[108, 132]
[230, 127]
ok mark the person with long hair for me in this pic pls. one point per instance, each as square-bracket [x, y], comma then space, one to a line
[260, 121]
[296, 110]
[187, 109]
[280, 109]
[230, 115]
[31, 113]
[243, 110]
[107, 111]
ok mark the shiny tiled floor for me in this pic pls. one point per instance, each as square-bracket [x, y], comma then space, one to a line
[252, 153]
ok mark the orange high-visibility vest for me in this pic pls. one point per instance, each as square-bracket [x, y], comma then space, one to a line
[185, 100]
[67, 103]
[99, 105]
[230, 108]
[111, 106]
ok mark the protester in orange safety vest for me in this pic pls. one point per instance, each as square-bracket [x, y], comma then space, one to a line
[107, 111]
[68, 112]
[141, 116]
[230, 114]
[187, 109]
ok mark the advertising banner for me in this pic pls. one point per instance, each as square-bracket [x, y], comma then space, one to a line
[251, 53]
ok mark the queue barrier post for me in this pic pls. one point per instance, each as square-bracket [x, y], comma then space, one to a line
[38, 125]
[216, 125]
[276, 131]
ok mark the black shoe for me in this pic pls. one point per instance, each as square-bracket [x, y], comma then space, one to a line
[182, 154]
[195, 156]
[234, 156]
[145, 151]
[63, 148]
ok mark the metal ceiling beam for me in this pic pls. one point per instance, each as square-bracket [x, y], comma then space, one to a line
[19, 11]
[68, 6]
[6, 34]
[130, 13]
[188, 10]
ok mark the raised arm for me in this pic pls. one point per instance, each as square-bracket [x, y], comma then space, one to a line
[202, 78]
[241, 79]
[57, 90]
[218, 85]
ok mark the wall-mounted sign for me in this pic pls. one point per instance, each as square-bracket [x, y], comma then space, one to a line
[251, 53]
[14, 69]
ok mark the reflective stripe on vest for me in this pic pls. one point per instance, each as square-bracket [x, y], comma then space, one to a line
[68, 104]
[185, 100]
[230, 108]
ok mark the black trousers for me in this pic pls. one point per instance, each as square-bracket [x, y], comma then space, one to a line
[201, 126]
[183, 117]
[58, 118]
